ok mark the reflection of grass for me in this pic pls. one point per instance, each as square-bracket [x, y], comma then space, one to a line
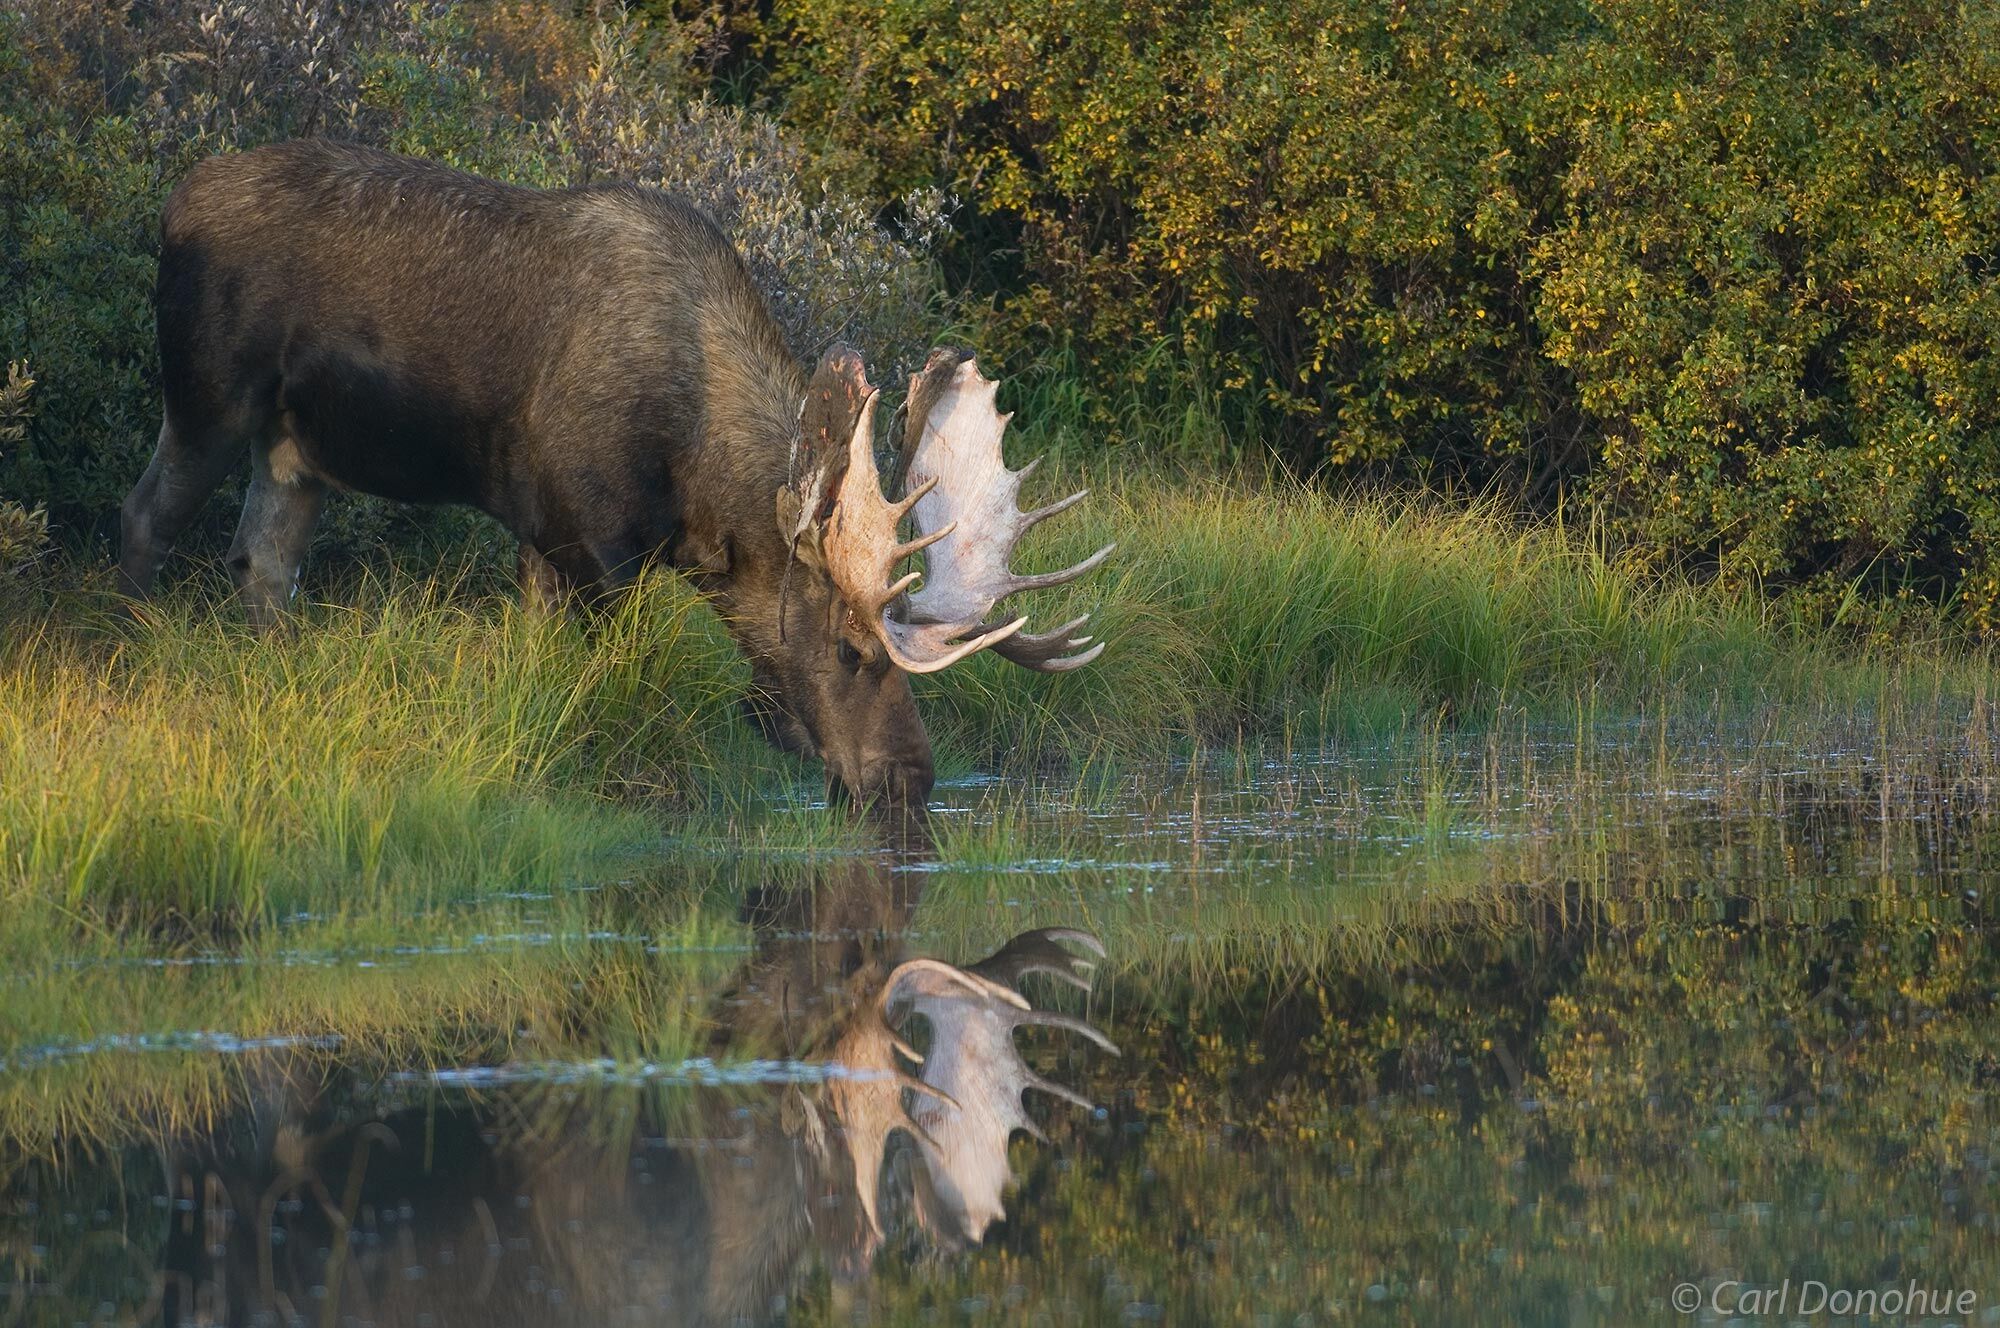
[1371, 857]
[621, 973]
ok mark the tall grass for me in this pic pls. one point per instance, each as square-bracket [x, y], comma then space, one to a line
[405, 745]
[1272, 608]
[419, 738]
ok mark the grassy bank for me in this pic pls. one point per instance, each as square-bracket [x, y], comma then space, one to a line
[419, 738]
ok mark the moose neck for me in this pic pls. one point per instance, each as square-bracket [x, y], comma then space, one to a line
[750, 394]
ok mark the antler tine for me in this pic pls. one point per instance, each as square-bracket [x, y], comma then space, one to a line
[971, 980]
[1073, 934]
[1038, 952]
[952, 455]
[1032, 519]
[1046, 653]
[902, 509]
[1043, 580]
[1054, 1089]
[1069, 1023]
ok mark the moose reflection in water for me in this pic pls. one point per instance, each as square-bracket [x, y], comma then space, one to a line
[542, 1202]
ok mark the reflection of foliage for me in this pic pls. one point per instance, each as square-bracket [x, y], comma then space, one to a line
[1695, 1102]
[1557, 1120]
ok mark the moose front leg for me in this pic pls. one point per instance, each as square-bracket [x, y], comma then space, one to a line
[544, 589]
[278, 519]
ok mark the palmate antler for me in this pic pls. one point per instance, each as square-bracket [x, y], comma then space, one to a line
[979, 1078]
[966, 1101]
[867, 1096]
[963, 499]
[862, 552]
[966, 499]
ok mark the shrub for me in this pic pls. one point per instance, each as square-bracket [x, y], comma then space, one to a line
[22, 532]
[1773, 281]
[1731, 268]
[103, 108]
[830, 270]
[1313, 202]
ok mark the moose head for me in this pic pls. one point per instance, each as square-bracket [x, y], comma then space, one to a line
[833, 662]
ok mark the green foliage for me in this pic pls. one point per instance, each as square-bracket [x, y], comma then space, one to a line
[1773, 282]
[1729, 268]
[76, 235]
[22, 532]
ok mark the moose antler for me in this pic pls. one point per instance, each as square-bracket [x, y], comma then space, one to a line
[867, 1097]
[967, 1103]
[862, 551]
[963, 498]
[965, 502]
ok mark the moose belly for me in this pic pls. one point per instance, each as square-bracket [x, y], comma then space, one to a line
[400, 433]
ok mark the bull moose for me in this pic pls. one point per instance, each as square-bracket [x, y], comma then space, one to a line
[594, 368]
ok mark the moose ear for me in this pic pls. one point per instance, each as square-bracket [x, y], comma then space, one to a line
[827, 416]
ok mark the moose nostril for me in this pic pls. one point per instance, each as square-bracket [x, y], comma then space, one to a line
[882, 786]
[911, 784]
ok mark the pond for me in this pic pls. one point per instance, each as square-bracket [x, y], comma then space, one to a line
[1650, 1022]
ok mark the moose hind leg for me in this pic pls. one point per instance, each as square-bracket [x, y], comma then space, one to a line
[179, 479]
[278, 519]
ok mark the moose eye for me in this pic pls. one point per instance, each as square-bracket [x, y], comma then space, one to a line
[850, 658]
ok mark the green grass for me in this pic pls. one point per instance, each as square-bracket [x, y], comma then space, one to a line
[406, 745]
[418, 740]
[1270, 609]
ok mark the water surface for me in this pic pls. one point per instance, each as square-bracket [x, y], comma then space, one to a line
[1522, 1027]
